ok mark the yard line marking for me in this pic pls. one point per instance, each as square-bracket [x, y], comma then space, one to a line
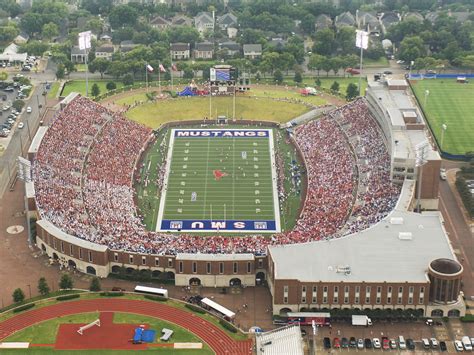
[165, 182]
[233, 178]
[206, 175]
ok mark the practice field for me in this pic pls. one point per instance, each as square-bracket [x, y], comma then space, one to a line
[220, 180]
[452, 104]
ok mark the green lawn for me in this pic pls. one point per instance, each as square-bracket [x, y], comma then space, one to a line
[80, 86]
[452, 104]
[326, 82]
[244, 192]
[54, 90]
[45, 332]
[376, 63]
[189, 108]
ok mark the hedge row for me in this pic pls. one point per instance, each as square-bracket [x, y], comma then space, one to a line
[67, 297]
[111, 294]
[468, 318]
[228, 326]
[156, 298]
[195, 308]
[23, 308]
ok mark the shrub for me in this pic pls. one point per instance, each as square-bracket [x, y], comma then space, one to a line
[111, 294]
[67, 297]
[195, 308]
[468, 318]
[156, 298]
[231, 328]
[24, 307]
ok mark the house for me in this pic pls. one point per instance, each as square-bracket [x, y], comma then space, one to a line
[127, 46]
[389, 19]
[160, 23]
[104, 51]
[204, 50]
[232, 32]
[78, 56]
[368, 22]
[204, 22]
[252, 51]
[106, 38]
[322, 21]
[180, 51]
[181, 20]
[432, 16]
[278, 43]
[413, 16]
[460, 16]
[227, 20]
[231, 47]
[22, 38]
[344, 19]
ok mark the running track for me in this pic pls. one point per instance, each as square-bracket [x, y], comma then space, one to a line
[216, 338]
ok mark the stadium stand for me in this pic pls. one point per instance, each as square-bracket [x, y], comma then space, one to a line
[287, 340]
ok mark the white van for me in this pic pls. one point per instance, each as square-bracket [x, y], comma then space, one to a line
[426, 343]
[466, 342]
[401, 343]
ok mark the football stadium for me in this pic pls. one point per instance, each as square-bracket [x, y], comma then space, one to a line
[227, 202]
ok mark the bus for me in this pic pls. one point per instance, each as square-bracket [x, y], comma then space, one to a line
[217, 308]
[152, 291]
[307, 318]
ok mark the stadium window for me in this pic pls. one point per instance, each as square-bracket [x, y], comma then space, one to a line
[249, 267]
[422, 289]
[411, 289]
[157, 261]
[285, 299]
[325, 300]
[90, 256]
[303, 289]
[346, 300]
[356, 300]
[377, 300]
[379, 289]
[221, 268]
[70, 249]
[260, 263]
[336, 289]
[208, 268]
[180, 267]
[346, 289]
[54, 243]
[325, 289]
[115, 256]
[389, 289]
[400, 289]
[367, 299]
[389, 300]
[285, 289]
[194, 267]
[62, 246]
[410, 300]
[303, 299]
[421, 300]
[399, 300]
[130, 259]
[357, 289]
[335, 299]
[143, 260]
[80, 253]
[170, 262]
[235, 267]
[368, 290]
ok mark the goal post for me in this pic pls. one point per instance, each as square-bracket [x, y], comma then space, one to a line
[87, 326]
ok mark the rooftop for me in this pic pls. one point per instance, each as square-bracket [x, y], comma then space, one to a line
[390, 251]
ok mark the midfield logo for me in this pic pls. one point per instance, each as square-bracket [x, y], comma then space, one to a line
[219, 174]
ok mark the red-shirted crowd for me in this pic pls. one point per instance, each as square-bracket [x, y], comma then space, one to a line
[84, 170]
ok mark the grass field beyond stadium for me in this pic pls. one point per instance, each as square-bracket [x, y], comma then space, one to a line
[450, 103]
[220, 180]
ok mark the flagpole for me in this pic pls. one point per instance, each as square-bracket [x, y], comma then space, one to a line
[360, 72]
[171, 74]
[159, 79]
[146, 76]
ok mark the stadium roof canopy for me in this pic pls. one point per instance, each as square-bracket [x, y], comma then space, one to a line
[397, 249]
[37, 139]
[280, 341]
[214, 257]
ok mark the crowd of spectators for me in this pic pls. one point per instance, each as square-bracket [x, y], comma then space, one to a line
[86, 163]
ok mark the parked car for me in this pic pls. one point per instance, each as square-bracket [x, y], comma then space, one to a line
[28, 109]
[434, 343]
[442, 346]
[336, 343]
[368, 343]
[21, 125]
[352, 342]
[410, 344]
[388, 72]
[376, 342]
[344, 343]
[327, 343]
[385, 343]
[360, 343]
[352, 71]
[458, 345]
[9, 88]
[393, 344]
[442, 173]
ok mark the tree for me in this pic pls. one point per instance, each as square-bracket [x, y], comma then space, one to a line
[316, 62]
[95, 284]
[18, 105]
[412, 48]
[60, 71]
[66, 282]
[99, 64]
[317, 82]
[111, 85]
[324, 42]
[49, 30]
[18, 295]
[352, 91]
[127, 79]
[123, 15]
[298, 77]
[278, 76]
[335, 87]
[43, 287]
[336, 64]
[188, 73]
[3, 76]
[326, 65]
[95, 90]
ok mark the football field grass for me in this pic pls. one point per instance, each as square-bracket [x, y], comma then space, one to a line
[219, 179]
[452, 104]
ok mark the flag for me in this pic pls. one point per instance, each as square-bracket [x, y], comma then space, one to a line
[149, 68]
[162, 68]
[362, 39]
[174, 67]
[85, 40]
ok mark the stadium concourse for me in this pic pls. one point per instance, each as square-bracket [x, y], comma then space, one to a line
[84, 169]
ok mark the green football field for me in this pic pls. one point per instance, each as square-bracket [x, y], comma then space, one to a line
[211, 179]
[452, 104]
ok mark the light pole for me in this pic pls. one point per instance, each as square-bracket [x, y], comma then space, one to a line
[427, 93]
[421, 151]
[443, 131]
[29, 288]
